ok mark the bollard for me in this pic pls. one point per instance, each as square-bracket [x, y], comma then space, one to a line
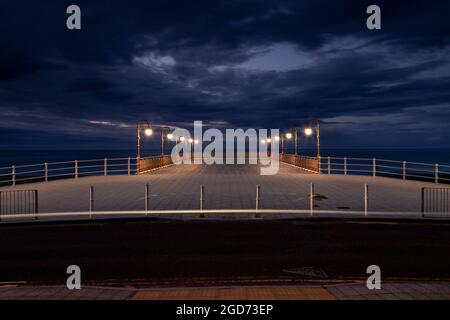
[46, 171]
[423, 202]
[36, 204]
[311, 199]
[345, 166]
[258, 200]
[366, 199]
[202, 200]
[106, 167]
[147, 199]
[91, 201]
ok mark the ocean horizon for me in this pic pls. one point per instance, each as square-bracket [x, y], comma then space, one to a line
[424, 155]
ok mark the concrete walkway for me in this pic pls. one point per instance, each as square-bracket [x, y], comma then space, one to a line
[389, 291]
[228, 187]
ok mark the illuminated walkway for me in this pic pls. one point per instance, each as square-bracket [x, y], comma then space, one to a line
[228, 187]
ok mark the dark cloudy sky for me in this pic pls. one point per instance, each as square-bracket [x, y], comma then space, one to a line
[271, 64]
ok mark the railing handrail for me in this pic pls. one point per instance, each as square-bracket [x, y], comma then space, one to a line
[388, 168]
[66, 169]
[346, 165]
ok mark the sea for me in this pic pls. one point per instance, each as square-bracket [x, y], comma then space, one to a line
[25, 157]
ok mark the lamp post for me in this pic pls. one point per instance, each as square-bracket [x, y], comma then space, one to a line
[288, 136]
[169, 137]
[269, 141]
[296, 141]
[309, 131]
[193, 142]
[148, 132]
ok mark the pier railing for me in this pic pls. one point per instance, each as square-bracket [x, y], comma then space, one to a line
[151, 163]
[308, 163]
[47, 171]
[386, 168]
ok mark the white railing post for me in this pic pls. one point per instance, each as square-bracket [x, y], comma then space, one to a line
[129, 166]
[258, 200]
[91, 201]
[311, 199]
[105, 165]
[345, 166]
[202, 201]
[436, 173]
[404, 170]
[13, 175]
[366, 199]
[329, 165]
[147, 199]
[374, 167]
[46, 171]
[76, 169]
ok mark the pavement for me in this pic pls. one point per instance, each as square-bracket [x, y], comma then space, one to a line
[228, 187]
[357, 291]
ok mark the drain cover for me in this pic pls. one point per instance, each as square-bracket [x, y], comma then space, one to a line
[308, 271]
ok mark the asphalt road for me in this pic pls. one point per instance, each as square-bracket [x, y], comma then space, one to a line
[173, 253]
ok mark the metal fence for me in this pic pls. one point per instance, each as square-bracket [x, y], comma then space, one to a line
[150, 163]
[19, 202]
[386, 168]
[47, 171]
[308, 163]
[326, 165]
[435, 201]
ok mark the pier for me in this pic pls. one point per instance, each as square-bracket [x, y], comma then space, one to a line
[161, 189]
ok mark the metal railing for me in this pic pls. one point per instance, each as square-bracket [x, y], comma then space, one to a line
[19, 202]
[386, 168]
[435, 201]
[151, 163]
[48, 171]
[308, 163]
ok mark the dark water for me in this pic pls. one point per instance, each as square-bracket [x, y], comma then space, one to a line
[15, 157]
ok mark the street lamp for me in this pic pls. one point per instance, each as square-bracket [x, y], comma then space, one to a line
[169, 137]
[147, 131]
[309, 131]
[288, 136]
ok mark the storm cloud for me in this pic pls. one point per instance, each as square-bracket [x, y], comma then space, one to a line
[271, 64]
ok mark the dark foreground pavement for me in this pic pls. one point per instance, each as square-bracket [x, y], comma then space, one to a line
[144, 253]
